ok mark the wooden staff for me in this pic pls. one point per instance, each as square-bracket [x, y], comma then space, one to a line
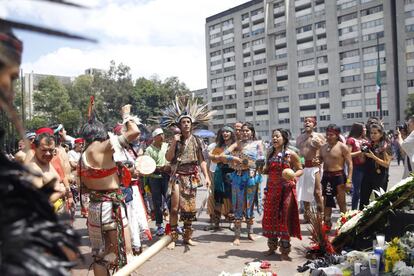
[141, 259]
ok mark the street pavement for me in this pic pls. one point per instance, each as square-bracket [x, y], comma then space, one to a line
[215, 252]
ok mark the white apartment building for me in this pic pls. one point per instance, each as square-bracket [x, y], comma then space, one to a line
[273, 62]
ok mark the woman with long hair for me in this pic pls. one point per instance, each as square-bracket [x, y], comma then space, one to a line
[355, 140]
[222, 175]
[244, 156]
[281, 216]
[378, 159]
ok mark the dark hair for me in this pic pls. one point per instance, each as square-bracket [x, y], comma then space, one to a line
[94, 131]
[40, 137]
[357, 130]
[251, 127]
[335, 128]
[220, 140]
[381, 129]
[285, 136]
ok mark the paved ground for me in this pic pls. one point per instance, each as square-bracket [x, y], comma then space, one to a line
[215, 252]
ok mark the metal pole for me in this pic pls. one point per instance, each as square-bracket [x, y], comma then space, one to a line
[379, 72]
[22, 87]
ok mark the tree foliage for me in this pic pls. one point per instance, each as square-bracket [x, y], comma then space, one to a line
[409, 111]
[111, 89]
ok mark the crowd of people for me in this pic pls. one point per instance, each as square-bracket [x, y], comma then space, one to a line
[52, 172]
[99, 171]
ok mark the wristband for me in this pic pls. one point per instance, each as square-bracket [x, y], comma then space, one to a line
[348, 181]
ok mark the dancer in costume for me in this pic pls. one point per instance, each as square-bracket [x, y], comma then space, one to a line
[107, 222]
[222, 176]
[244, 156]
[281, 217]
[309, 184]
[186, 156]
[334, 155]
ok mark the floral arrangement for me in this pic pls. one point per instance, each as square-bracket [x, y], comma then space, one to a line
[344, 218]
[320, 244]
[393, 253]
[254, 269]
[362, 223]
[401, 269]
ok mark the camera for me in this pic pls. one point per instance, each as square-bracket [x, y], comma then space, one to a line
[403, 127]
[365, 147]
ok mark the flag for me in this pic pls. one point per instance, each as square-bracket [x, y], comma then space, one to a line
[378, 85]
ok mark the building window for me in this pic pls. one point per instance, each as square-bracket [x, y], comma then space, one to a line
[348, 41]
[283, 110]
[351, 78]
[228, 50]
[373, 23]
[307, 107]
[373, 36]
[324, 106]
[286, 99]
[323, 94]
[215, 53]
[304, 29]
[410, 83]
[249, 113]
[307, 96]
[351, 103]
[372, 10]
[350, 91]
[325, 118]
[349, 54]
[262, 112]
[347, 17]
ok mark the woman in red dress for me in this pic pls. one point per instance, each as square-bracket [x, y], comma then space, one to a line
[281, 216]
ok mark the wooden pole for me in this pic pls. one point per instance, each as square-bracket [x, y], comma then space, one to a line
[147, 254]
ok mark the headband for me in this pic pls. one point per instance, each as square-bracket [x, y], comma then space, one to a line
[227, 128]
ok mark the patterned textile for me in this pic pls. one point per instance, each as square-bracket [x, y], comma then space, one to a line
[281, 216]
[107, 212]
[187, 176]
[188, 184]
[84, 199]
[244, 189]
[222, 182]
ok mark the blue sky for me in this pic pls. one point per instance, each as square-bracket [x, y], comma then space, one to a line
[153, 37]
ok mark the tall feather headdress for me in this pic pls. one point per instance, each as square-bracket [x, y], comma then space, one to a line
[186, 107]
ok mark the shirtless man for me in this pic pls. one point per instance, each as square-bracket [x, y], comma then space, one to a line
[334, 155]
[41, 162]
[107, 223]
[309, 184]
[238, 130]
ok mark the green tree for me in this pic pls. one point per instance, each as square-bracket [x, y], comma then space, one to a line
[36, 122]
[151, 96]
[71, 119]
[409, 111]
[51, 99]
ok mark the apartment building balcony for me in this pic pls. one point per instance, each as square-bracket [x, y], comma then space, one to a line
[304, 35]
[299, 3]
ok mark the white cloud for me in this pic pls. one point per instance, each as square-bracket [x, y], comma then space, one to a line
[160, 37]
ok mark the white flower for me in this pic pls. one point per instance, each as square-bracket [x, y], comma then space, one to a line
[401, 183]
[351, 223]
[401, 269]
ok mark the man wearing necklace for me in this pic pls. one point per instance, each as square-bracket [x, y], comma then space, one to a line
[186, 156]
[334, 155]
[309, 184]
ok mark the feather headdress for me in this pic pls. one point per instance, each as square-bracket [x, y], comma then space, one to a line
[186, 107]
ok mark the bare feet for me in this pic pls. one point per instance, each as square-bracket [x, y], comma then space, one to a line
[236, 242]
[269, 252]
[190, 242]
[251, 237]
[171, 246]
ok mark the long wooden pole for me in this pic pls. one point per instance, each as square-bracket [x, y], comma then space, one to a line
[141, 259]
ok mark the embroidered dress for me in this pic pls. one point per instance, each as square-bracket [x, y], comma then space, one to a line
[245, 181]
[281, 216]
